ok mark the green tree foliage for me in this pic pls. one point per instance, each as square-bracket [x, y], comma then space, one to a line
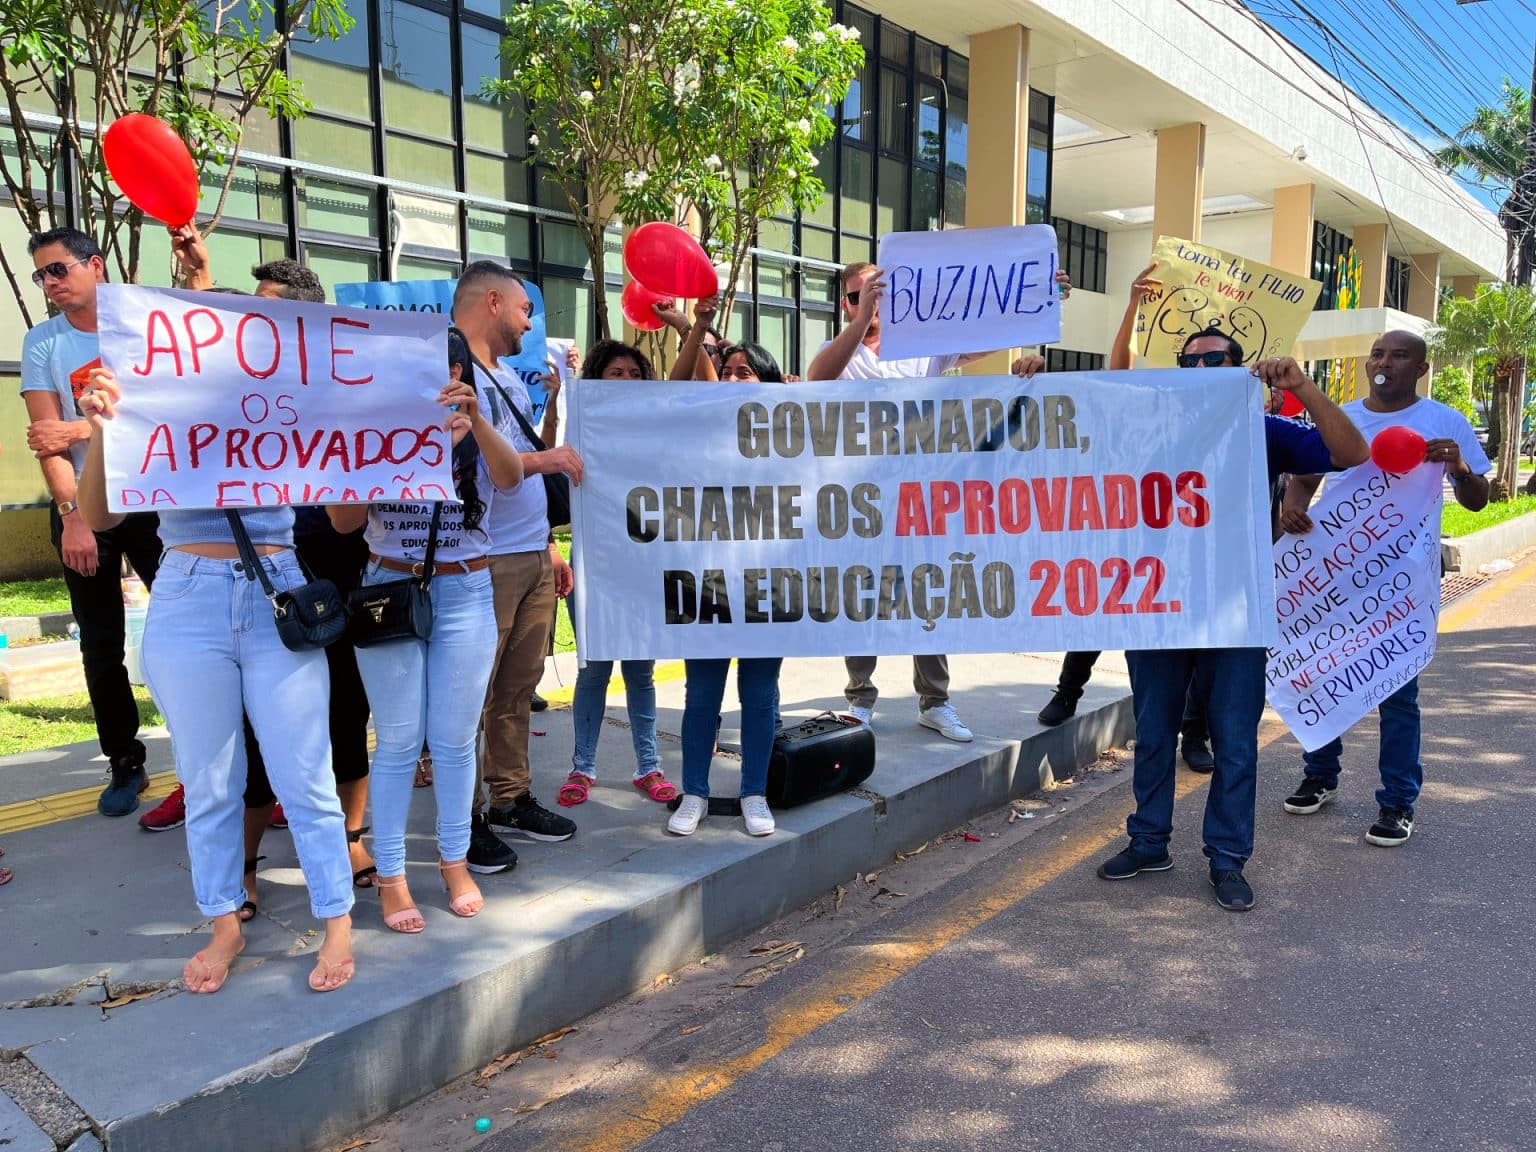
[70, 67]
[1492, 144]
[709, 111]
[1499, 323]
[1453, 387]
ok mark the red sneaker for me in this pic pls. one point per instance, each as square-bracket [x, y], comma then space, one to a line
[278, 819]
[170, 813]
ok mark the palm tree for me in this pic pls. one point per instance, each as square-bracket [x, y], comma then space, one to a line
[1492, 144]
[1498, 323]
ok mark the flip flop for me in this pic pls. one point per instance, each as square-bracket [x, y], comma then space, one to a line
[574, 790]
[656, 786]
[320, 980]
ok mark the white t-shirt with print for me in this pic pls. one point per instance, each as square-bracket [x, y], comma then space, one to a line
[1431, 420]
[865, 365]
[57, 357]
[521, 522]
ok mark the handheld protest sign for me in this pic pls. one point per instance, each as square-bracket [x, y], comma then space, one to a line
[968, 290]
[238, 401]
[152, 166]
[1261, 307]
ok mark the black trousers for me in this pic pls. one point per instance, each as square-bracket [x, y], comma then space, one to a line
[97, 602]
[340, 559]
[1077, 668]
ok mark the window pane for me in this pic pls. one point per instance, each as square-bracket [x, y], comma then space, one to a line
[954, 204]
[929, 102]
[959, 75]
[341, 265]
[776, 236]
[773, 328]
[416, 268]
[894, 111]
[855, 248]
[419, 162]
[894, 42]
[822, 213]
[425, 221]
[417, 69]
[956, 138]
[858, 105]
[327, 206]
[892, 216]
[335, 73]
[254, 194]
[497, 8]
[563, 245]
[333, 144]
[500, 236]
[925, 199]
[820, 287]
[775, 279]
[818, 245]
[498, 127]
[568, 309]
[816, 330]
[495, 178]
[930, 58]
[858, 190]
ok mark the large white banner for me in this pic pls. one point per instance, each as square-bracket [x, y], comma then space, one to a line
[233, 401]
[968, 290]
[1358, 600]
[958, 514]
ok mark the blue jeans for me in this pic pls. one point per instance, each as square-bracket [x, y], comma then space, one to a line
[591, 701]
[429, 693]
[211, 653]
[1230, 683]
[757, 687]
[1402, 775]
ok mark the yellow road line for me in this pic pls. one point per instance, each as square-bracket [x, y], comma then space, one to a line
[1460, 614]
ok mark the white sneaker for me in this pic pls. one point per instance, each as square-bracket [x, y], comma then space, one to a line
[944, 720]
[861, 714]
[686, 819]
[759, 820]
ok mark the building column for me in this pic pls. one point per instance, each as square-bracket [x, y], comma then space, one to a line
[1180, 184]
[1464, 286]
[1424, 298]
[1290, 243]
[1370, 242]
[997, 171]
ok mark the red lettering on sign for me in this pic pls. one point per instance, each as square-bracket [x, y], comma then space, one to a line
[157, 320]
[337, 351]
[161, 432]
[277, 346]
[194, 345]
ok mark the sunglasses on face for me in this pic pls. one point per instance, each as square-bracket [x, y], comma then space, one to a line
[56, 271]
[1209, 359]
[712, 351]
[852, 297]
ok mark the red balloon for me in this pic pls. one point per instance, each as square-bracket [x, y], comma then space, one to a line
[636, 304]
[152, 166]
[1290, 406]
[668, 260]
[1397, 449]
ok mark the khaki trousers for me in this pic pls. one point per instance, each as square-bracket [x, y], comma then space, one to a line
[930, 678]
[523, 586]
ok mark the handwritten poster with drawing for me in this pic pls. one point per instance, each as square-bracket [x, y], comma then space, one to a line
[1263, 308]
[968, 290]
[235, 401]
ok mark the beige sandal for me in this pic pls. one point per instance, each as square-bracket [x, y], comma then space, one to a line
[397, 921]
[325, 976]
[219, 970]
[466, 904]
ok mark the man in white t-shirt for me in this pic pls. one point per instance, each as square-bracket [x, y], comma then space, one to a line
[491, 308]
[1396, 363]
[854, 354]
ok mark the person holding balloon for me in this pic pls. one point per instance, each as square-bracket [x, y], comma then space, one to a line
[1406, 430]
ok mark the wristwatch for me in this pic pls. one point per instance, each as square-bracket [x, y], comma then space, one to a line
[65, 507]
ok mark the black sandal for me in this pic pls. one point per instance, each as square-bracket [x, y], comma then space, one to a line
[355, 836]
[247, 911]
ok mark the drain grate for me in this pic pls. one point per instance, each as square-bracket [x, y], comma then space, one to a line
[1458, 584]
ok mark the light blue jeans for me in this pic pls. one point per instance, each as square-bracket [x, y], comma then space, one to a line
[211, 652]
[429, 693]
[591, 701]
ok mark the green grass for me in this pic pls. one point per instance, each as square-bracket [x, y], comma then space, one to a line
[28, 725]
[33, 597]
[1457, 521]
[565, 636]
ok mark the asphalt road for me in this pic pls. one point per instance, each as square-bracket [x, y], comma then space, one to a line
[1374, 999]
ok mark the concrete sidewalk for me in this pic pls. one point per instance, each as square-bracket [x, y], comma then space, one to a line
[101, 913]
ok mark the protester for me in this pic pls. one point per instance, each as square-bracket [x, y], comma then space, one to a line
[212, 654]
[432, 689]
[527, 574]
[1397, 362]
[757, 678]
[854, 354]
[56, 358]
[1229, 682]
[612, 360]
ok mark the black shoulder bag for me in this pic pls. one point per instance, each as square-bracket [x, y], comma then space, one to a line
[310, 616]
[557, 485]
[396, 609]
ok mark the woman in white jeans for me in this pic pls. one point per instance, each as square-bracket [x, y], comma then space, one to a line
[211, 652]
[431, 691]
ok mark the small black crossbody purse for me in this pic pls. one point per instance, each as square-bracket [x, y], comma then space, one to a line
[396, 609]
[308, 617]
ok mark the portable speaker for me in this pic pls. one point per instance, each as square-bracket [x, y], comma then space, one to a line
[819, 757]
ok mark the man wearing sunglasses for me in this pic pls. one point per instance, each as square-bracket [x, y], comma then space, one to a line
[854, 354]
[56, 358]
[1229, 682]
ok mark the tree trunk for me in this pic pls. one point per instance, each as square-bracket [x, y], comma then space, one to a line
[1508, 445]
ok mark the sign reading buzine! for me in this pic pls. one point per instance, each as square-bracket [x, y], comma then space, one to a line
[1358, 600]
[968, 290]
[437, 296]
[238, 401]
[958, 514]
